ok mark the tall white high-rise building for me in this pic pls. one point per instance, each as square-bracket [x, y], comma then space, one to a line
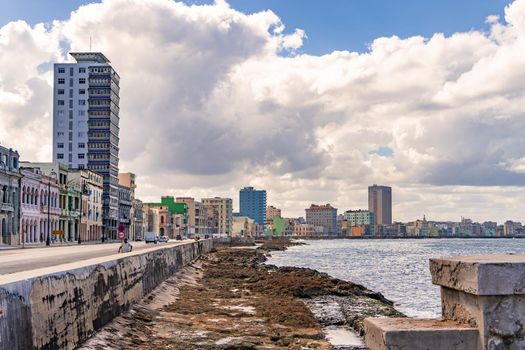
[86, 123]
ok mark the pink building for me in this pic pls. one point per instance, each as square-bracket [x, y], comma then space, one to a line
[37, 193]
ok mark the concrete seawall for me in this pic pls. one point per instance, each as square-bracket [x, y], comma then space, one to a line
[60, 307]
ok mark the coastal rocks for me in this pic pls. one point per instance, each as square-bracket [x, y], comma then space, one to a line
[235, 301]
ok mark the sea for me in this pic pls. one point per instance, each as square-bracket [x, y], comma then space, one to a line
[397, 268]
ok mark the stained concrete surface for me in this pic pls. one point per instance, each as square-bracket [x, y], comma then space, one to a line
[59, 307]
[17, 260]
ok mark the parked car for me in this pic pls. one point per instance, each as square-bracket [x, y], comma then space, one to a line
[163, 239]
[151, 237]
[206, 236]
[178, 238]
[138, 239]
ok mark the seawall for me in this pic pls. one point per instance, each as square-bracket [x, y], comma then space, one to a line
[60, 307]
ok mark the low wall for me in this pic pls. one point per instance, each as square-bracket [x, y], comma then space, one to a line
[233, 241]
[61, 309]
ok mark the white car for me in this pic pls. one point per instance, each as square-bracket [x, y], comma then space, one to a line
[151, 237]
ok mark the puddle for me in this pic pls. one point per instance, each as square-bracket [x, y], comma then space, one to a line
[227, 340]
[246, 309]
[343, 337]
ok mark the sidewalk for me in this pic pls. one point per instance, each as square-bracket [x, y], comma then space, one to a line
[53, 244]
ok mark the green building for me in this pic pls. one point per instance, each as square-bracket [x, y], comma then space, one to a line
[361, 218]
[279, 227]
[175, 208]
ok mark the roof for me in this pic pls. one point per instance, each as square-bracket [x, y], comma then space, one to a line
[90, 57]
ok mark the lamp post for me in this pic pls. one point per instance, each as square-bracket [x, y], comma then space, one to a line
[54, 175]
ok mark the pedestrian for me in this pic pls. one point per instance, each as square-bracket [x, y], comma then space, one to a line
[125, 247]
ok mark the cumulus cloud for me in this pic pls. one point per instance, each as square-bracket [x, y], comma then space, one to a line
[213, 99]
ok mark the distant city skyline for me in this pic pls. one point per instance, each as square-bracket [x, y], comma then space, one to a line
[215, 99]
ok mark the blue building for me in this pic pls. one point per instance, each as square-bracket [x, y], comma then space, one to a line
[253, 204]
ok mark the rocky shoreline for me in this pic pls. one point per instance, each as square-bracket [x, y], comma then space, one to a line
[230, 299]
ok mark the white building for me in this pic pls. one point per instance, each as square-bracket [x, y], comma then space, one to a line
[39, 206]
[9, 196]
[86, 123]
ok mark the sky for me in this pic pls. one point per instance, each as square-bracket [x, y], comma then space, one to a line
[310, 101]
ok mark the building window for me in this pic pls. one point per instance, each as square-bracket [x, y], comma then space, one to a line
[61, 113]
[81, 156]
[61, 70]
[81, 102]
[82, 92]
[60, 134]
[60, 91]
[81, 80]
[60, 124]
[81, 113]
[82, 70]
[61, 102]
[81, 145]
[60, 145]
[61, 80]
[60, 156]
[81, 134]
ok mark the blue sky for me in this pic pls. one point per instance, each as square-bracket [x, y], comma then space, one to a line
[329, 25]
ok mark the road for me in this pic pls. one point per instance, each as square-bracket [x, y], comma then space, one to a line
[17, 260]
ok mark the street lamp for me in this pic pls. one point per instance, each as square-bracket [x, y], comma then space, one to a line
[54, 176]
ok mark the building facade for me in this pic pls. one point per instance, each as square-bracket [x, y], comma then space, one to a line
[196, 216]
[364, 218]
[159, 219]
[69, 199]
[39, 210]
[380, 203]
[9, 196]
[125, 205]
[86, 123]
[137, 219]
[272, 212]
[253, 204]
[323, 215]
[128, 180]
[91, 187]
[219, 215]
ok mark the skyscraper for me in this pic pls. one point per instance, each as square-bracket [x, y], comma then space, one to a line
[86, 123]
[253, 204]
[380, 203]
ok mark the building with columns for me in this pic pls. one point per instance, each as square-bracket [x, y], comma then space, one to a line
[91, 187]
[39, 209]
[9, 196]
[69, 198]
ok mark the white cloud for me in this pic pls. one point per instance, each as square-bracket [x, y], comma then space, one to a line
[209, 103]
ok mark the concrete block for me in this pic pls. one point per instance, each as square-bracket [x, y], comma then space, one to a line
[497, 274]
[410, 334]
[499, 318]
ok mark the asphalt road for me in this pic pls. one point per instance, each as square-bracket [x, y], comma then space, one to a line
[17, 260]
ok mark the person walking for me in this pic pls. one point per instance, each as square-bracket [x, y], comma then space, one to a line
[125, 247]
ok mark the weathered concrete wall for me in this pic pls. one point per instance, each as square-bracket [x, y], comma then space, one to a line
[485, 293]
[62, 309]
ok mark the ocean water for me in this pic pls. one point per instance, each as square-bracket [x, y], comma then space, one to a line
[398, 269]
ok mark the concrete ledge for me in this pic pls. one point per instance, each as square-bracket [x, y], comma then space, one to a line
[498, 274]
[60, 307]
[410, 334]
